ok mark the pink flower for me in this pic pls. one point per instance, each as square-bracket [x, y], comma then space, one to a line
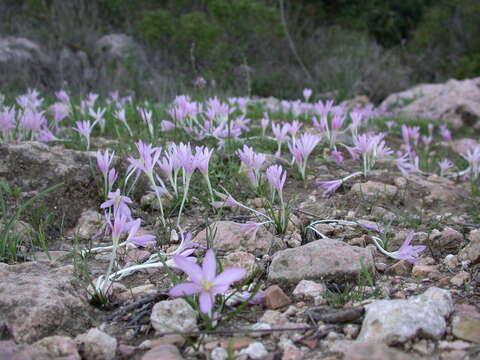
[306, 94]
[166, 125]
[104, 160]
[337, 122]
[204, 280]
[33, 120]
[119, 204]
[337, 156]
[407, 252]
[280, 132]
[445, 133]
[250, 158]
[303, 147]
[7, 119]
[139, 240]
[276, 176]
[227, 200]
[46, 135]
[202, 158]
[84, 128]
[330, 186]
[148, 158]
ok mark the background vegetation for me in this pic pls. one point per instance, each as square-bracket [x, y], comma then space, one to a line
[339, 48]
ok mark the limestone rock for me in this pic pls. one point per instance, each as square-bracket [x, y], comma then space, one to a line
[163, 352]
[396, 321]
[353, 350]
[230, 236]
[60, 346]
[456, 101]
[38, 301]
[471, 252]
[243, 260]
[97, 345]
[466, 323]
[374, 189]
[36, 166]
[173, 315]
[309, 290]
[325, 259]
[10, 350]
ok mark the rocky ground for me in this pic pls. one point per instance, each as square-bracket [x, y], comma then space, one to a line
[336, 297]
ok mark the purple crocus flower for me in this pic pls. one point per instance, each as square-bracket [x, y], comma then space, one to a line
[7, 119]
[303, 147]
[204, 280]
[33, 120]
[166, 125]
[104, 160]
[84, 128]
[202, 158]
[280, 132]
[306, 94]
[445, 165]
[407, 252]
[276, 177]
[337, 122]
[337, 156]
[323, 108]
[227, 200]
[293, 127]
[60, 111]
[63, 96]
[139, 240]
[46, 135]
[445, 133]
[119, 204]
[148, 158]
[250, 158]
[330, 186]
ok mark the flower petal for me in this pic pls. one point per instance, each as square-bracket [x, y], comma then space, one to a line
[193, 270]
[206, 302]
[184, 289]
[229, 276]
[209, 266]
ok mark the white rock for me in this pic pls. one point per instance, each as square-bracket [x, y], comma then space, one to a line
[307, 289]
[255, 350]
[97, 345]
[219, 353]
[173, 315]
[396, 321]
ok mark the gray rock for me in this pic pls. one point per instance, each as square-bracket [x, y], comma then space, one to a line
[36, 166]
[89, 224]
[255, 350]
[353, 350]
[11, 351]
[23, 62]
[309, 290]
[471, 252]
[325, 259]
[456, 101]
[173, 315]
[38, 301]
[397, 321]
[374, 189]
[163, 352]
[60, 346]
[97, 345]
[230, 236]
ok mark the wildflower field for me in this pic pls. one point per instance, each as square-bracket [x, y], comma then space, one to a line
[236, 228]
